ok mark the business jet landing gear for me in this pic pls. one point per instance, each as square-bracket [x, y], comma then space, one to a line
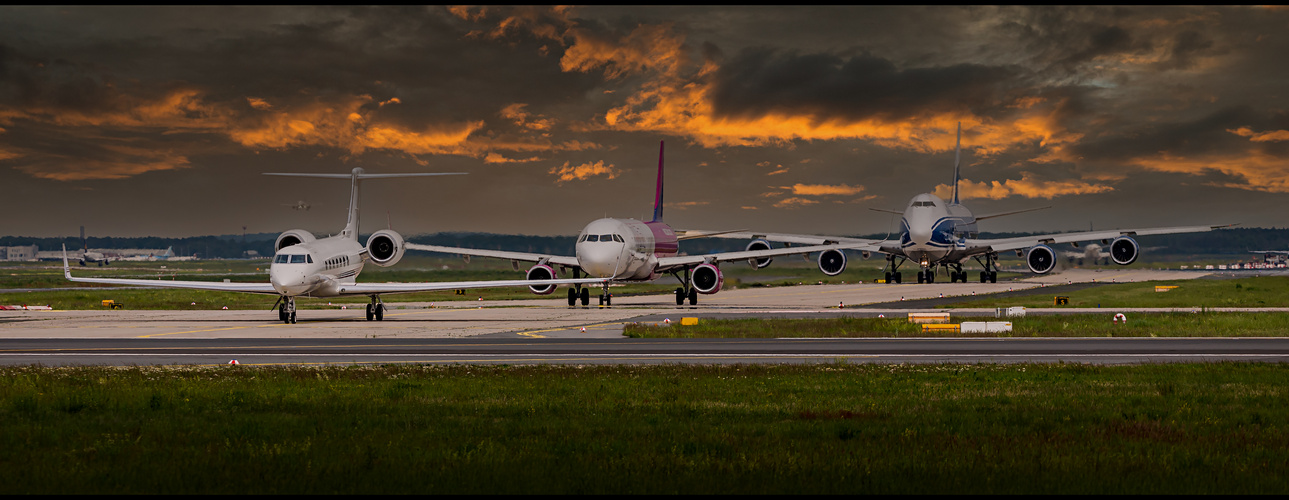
[893, 269]
[990, 274]
[376, 309]
[286, 312]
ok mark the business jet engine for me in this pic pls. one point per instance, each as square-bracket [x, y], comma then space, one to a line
[292, 237]
[1041, 259]
[541, 272]
[1124, 250]
[755, 245]
[707, 279]
[832, 262]
[385, 247]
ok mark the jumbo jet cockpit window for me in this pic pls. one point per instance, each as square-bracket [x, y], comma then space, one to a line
[924, 203]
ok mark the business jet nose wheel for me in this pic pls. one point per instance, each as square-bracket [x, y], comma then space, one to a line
[286, 313]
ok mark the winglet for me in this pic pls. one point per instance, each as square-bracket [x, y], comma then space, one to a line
[657, 199]
[957, 158]
[67, 270]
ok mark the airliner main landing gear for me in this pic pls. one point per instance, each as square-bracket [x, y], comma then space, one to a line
[686, 290]
[578, 291]
[957, 274]
[286, 312]
[376, 309]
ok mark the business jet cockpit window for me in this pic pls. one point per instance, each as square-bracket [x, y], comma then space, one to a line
[292, 259]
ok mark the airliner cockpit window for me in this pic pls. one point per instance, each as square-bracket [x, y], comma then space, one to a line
[583, 238]
[592, 237]
[298, 259]
[618, 239]
[606, 237]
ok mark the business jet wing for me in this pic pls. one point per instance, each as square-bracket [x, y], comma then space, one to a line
[264, 288]
[668, 263]
[384, 288]
[563, 260]
[1003, 244]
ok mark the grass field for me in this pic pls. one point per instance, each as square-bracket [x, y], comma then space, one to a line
[829, 428]
[1071, 325]
[1263, 291]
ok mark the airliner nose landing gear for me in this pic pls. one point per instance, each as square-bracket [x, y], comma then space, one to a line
[376, 309]
[286, 312]
[606, 299]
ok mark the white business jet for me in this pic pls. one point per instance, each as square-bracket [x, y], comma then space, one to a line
[305, 266]
[633, 250]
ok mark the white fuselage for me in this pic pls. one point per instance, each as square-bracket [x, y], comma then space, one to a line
[316, 268]
[624, 249]
[933, 228]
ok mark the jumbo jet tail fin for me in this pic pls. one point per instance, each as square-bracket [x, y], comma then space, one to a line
[356, 177]
[957, 159]
[657, 198]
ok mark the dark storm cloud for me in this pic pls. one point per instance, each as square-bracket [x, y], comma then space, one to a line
[1207, 135]
[826, 86]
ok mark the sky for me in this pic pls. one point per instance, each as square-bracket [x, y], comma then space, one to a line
[160, 121]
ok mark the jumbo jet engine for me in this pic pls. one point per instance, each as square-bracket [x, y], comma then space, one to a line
[385, 247]
[1124, 250]
[541, 272]
[707, 279]
[1041, 259]
[292, 237]
[832, 262]
[755, 245]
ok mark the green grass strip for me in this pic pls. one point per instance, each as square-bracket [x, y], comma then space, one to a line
[736, 429]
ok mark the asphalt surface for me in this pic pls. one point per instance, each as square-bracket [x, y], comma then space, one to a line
[119, 352]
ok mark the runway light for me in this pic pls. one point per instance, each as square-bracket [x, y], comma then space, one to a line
[881, 315]
[666, 321]
[234, 362]
[841, 305]
[1120, 317]
[584, 329]
[225, 308]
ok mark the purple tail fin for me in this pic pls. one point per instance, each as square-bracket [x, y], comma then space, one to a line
[657, 200]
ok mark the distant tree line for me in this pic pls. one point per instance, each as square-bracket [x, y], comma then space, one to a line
[1223, 241]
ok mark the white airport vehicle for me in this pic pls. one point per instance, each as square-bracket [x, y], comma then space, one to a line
[942, 235]
[631, 250]
[306, 266]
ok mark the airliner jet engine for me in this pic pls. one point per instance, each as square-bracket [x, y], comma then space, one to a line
[707, 279]
[832, 262]
[1124, 250]
[541, 272]
[1041, 259]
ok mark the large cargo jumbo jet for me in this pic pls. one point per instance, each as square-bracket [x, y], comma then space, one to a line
[937, 235]
[632, 250]
[305, 266]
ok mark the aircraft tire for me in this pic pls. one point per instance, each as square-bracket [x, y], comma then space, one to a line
[572, 297]
[993, 276]
[293, 317]
[370, 314]
[898, 278]
[921, 277]
[693, 296]
[888, 278]
[586, 296]
[380, 312]
[680, 296]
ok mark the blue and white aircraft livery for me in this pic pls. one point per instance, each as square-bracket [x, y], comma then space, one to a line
[938, 234]
[633, 250]
[305, 266]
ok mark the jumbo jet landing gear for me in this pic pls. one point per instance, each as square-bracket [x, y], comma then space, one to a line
[286, 312]
[957, 274]
[990, 274]
[893, 269]
[376, 309]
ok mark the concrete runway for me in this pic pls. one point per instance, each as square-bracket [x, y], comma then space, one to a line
[511, 328]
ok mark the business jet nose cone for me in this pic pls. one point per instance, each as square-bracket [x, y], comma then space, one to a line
[290, 282]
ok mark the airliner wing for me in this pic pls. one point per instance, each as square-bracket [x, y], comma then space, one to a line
[1003, 244]
[667, 263]
[802, 239]
[562, 260]
[371, 288]
[264, 288]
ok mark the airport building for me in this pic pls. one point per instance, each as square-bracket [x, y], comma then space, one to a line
[18, 253]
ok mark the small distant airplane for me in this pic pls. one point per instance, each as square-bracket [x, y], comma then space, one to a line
[150, 258]
[633, 250]
[1272, 256]
[305, 266]
[298, 205]
[88, 257]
